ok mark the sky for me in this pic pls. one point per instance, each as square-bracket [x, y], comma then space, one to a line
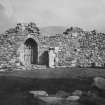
[87, 14]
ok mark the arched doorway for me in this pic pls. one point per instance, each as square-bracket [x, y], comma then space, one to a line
[30, 52]
[44, 58]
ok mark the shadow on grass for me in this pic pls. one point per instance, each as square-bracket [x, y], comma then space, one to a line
[15, 90]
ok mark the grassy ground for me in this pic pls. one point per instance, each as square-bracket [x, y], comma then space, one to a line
[57, 73]
[15, 90]
[15, 86]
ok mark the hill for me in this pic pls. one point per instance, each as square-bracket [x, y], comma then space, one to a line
[52, 30]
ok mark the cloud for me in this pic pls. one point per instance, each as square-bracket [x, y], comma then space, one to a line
[7, 19]
[84, 13]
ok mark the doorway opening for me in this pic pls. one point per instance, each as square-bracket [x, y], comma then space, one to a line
[30, 52]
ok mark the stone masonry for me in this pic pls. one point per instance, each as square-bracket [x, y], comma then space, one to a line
[85, 49]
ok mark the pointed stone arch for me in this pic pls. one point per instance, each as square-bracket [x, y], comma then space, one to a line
[29, 52]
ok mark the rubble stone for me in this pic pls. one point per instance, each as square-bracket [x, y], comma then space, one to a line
[39, 93]
[62, 94]
[77, 93]
[99, 82]
[72, 98]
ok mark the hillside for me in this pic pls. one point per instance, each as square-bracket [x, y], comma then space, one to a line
[52, 30]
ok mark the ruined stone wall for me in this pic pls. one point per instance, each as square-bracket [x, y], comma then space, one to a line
[8, 48]
[67, 46]
[86, 48]
[93, 47]
[10, 43]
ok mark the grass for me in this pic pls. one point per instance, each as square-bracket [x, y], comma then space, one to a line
[57, 73]
[15, 86]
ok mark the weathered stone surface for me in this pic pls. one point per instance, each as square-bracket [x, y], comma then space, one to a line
[76, 46]
[72, 98]
[99, 82]
[51, 99]
[39, 93]
[77, 93]
[62, 94]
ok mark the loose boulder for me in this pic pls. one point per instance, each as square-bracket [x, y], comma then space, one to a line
[51, 99]
[72, 98]
[39, 93]
[62, 94]
[77, 93]
[99, 82]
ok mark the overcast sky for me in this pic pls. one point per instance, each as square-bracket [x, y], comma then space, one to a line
[87, 14]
